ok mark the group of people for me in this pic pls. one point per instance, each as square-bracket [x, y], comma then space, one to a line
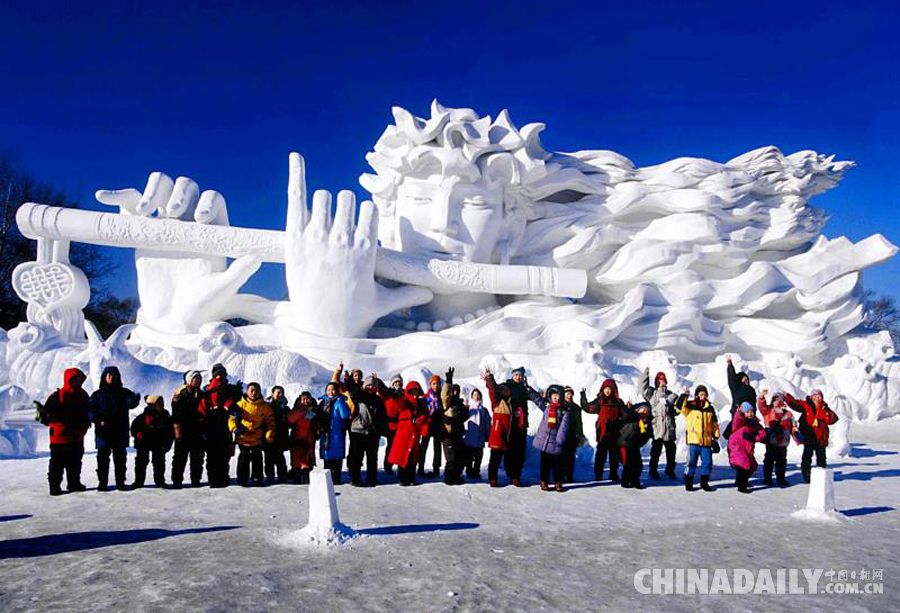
[215, 421]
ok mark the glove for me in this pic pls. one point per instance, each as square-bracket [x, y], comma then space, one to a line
[715, 447]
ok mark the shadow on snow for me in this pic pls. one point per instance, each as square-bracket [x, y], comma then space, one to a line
[414, 528]
[52, 544]
[867, 511]
[4, 518]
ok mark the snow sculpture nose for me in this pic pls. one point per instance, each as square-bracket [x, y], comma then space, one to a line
[441, 215]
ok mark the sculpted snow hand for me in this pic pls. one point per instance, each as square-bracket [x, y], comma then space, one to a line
[203, 285]
[330, 264]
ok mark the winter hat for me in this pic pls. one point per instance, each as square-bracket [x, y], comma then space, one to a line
[370, 380]
[554, 388]
[154, 400]
[746, 407]
[701, 388]
[817, 392]
[189, 375]
[568, 388]
[661, 376]
[218, 369]
[433, 379]
[520, 370]
[413, 386]
[397, 379]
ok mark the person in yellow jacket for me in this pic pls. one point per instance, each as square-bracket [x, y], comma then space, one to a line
[252, 422]
[702, 436]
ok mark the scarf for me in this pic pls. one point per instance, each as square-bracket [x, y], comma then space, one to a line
[552, 416]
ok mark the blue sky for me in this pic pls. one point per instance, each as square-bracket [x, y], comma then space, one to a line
[100, 95]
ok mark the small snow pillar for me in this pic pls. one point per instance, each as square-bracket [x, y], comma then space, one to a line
[821, 490]
[323, 510]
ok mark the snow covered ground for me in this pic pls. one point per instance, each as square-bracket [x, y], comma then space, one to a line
[438, 548]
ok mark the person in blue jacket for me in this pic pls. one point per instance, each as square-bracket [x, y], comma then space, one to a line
[108, 410]
[334, 411]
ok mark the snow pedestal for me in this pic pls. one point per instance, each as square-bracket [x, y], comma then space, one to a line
[324, 528]
[323, 510]
[820, 501]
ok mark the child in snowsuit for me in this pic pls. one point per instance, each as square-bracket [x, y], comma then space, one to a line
[746, 431]
[551, 436]
[153, 436]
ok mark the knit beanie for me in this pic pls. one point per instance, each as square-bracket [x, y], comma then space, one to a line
[370, 380]
[154, 399]
[397, 379]
[189, 375]
[218, 369]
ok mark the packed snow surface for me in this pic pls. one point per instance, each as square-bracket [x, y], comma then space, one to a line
[439, 548]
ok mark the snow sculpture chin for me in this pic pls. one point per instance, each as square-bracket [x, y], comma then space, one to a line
[481, 246]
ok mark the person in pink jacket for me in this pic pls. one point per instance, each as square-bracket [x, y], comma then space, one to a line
[746, 431]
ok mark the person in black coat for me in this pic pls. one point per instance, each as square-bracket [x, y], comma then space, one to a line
[108, 410]
[188, 427]
[740, 388]
[634, 431]
[153, 435]
[275, 464]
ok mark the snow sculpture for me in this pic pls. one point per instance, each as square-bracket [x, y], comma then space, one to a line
[491, 249]
[55, 291]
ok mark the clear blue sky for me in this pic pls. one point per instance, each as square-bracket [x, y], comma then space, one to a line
[98, 96]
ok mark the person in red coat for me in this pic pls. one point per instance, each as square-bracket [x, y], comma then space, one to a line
[66, 413]
[815, 417]
[608, 407]
[411, 411]
[502, 425]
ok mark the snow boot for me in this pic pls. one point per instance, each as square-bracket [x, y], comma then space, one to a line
[782, 482]
[654, 474]
[689, 483]
[356, 483]
[671, 474]
[77, 487]
[493, 483]
[544, 486]
[704, 484]
[768, 481]
[55, 490]
[639, 486]
[559, 487]
[517, 483]
[102, 487]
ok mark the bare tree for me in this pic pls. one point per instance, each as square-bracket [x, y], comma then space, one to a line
[16, 187]
[882, 313]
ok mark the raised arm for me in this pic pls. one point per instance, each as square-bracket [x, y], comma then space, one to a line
[591, 407]
[645, 390]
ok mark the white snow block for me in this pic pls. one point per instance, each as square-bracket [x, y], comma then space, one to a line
[323, 510]
[821, 490]
[820, 502]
